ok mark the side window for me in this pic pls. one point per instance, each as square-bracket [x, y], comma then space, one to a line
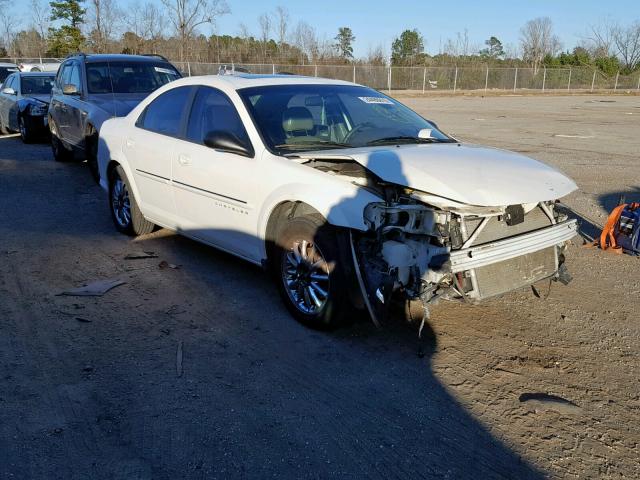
[9, 82]
[66, 75]
[74, 76]
[164, 114]
[60, 75]
[213, 111]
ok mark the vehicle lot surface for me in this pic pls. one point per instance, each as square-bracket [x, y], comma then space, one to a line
[90, 388]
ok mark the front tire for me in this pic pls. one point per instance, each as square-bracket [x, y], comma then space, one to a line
[60, 152]
[126, 214]
[25, 134]
[91, 148]
[310, 272]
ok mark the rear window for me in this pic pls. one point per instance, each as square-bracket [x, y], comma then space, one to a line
[128, 77]
[40, 85]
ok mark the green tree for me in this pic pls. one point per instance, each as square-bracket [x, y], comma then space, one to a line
[344, 41]
[494, 48]
[67, 38]
[407, 46]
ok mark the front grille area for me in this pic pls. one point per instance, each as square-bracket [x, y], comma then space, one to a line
[515, 273]
[498, 229]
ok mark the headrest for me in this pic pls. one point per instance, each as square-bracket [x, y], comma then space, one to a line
[295, 119]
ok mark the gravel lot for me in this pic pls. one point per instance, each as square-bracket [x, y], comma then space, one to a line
[90, 388]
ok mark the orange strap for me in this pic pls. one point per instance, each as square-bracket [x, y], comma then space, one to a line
[608, 235]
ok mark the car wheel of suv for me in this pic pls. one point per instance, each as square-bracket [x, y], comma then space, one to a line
[125, 212]
[310, 274]
[91, 148]
[25, 134]
[60, 152]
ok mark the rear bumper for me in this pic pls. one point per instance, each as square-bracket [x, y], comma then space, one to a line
[501, 250]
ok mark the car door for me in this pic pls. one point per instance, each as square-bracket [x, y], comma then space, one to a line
[58, 108]
[75, 107]
[6, 100]
[149, 149]
[215, 191]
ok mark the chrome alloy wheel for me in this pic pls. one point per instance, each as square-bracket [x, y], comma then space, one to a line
[120, 202]
[305, 274]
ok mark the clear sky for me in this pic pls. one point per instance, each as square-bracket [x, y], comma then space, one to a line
[377, 22]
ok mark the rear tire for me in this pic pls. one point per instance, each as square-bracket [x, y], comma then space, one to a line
[310, 272]
[126, 214]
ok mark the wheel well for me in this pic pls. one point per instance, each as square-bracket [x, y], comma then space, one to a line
[282, 211]
[110, 168]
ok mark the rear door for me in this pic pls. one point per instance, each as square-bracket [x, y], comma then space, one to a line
[149, 148]
[216, 192]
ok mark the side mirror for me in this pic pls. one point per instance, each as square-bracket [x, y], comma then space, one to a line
[227, 142]
[70, 89]
[8, 91]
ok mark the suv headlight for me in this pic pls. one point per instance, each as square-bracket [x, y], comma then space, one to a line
[38, 110]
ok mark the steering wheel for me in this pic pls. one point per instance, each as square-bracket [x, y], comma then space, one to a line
[358, 129]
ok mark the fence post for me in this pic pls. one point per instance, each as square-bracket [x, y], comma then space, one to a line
[569, 83]
[616, 85]
[455, 81]
[486, 80]
[515, 79]
[593, 80]
[544, 78]
[315, 70]
[638, 82]
[189, 68]
[354, 74]
[273, 68]
[389, 79]
[424, 80]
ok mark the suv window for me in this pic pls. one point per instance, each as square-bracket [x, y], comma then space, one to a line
[164, 114]
[74, 77]
[213, 111]
[128, 76]
[9, 83]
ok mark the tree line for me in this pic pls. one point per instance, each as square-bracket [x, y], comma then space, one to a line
[173, 28]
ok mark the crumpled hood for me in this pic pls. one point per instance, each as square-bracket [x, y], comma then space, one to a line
[117, 105]
[469, 174]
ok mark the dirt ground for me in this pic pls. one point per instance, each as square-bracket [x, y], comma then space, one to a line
[90, 387]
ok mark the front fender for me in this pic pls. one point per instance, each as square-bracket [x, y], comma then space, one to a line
[340, 202]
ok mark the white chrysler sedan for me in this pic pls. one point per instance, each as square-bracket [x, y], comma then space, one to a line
[349, 198]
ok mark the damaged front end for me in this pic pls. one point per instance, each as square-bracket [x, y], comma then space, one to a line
[418, 253]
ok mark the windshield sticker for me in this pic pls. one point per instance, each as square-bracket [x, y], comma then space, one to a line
[376, 100]
[164, 70]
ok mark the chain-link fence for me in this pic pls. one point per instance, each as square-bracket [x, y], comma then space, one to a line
[432, 79]
[447, 79]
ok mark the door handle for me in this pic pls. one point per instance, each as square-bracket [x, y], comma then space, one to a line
[130, 143]
[184, 160]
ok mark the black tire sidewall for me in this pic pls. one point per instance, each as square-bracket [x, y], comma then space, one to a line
[118, 173]
[315, 229]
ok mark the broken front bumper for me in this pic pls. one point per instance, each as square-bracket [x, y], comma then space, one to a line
[501, 250]
[508, 264]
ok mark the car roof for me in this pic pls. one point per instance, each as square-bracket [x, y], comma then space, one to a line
[246, 80]
[113, 57]
[37, 74]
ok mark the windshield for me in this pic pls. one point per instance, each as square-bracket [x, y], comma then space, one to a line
[6, 71]
[128, 77]
[40, 85]
[314, 117]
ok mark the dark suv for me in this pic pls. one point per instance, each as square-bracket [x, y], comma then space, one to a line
[90, 89]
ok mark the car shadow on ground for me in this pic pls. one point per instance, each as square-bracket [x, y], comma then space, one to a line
[258, 395]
